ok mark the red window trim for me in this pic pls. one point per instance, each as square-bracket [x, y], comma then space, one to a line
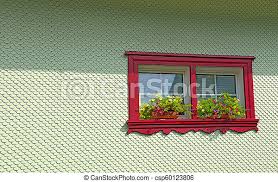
[194, 124]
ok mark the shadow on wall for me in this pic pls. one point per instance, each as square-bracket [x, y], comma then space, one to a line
[91, 36]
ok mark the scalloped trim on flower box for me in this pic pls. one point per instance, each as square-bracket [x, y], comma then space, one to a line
[183, 126]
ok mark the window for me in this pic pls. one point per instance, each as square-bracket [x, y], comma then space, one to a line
[163, 84]
[219, 83]
[192, 78]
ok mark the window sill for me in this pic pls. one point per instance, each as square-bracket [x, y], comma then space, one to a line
[149, 127]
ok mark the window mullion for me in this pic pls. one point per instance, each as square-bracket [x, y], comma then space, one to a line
[215, 86]
[193, 89]
[161, 92]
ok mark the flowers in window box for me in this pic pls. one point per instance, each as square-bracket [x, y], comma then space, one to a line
[225, 107]
[163, 108]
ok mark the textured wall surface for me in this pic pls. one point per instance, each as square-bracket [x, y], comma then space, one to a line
[63, 84]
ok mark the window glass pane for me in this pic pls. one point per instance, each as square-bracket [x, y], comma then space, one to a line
[206, 84]
[225, 83]
[150, 83]
[164, 84]
[172, 84]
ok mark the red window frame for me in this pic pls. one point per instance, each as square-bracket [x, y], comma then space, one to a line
[194, 124]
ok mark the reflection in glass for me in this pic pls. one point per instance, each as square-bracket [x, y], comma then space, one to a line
[206, 84]
[211, 85]
[165, 84]
[226, 83]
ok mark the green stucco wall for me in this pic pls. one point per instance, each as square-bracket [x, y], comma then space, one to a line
[63, 84]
